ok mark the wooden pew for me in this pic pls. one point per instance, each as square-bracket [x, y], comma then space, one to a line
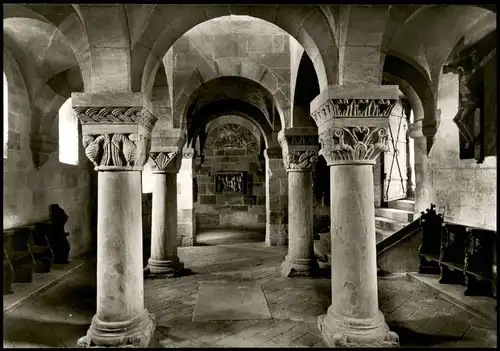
[430, 250]
[17, 247]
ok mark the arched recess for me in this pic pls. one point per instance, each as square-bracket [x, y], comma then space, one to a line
[233, 67]
[164, 24]
[227, 90]
[434, 30]
[239, 108]
[306, 89]
[421, 85]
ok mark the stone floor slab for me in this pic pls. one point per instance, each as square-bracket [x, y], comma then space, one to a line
[228, 300]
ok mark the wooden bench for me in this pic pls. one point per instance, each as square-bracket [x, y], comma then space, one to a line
[18, 253]
[430, 250]
[479, 262]
[42, 250]
[461, 254]
[34, 248]
[452, 260]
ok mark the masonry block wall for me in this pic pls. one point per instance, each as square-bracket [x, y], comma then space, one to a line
[465, 191]
[213, 47]
[239, 209]
[28, 191]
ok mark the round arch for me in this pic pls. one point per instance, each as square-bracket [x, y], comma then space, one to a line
[64, 19]
[164, 24]
[239, 108]
[234, 67]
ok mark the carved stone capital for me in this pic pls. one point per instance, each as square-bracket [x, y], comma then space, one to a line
[166, 161]
[300, 148]
[117, 151]
[116, 115]
[350, 145]
[300, 160]
[353, 102]
[353, 108]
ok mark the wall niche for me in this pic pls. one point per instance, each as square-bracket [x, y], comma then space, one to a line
[231, 180]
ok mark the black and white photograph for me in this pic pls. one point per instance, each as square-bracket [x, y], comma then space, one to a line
[249, 175]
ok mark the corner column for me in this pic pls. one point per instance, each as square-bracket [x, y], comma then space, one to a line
[300, 153]
[164, 262]
[352, 125]
[276, 198]
[423, 174]
[116, 136]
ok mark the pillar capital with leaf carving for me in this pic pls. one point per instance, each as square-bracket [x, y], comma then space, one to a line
[116, 129]
[300, 148]
[353, 122]
[166, 159]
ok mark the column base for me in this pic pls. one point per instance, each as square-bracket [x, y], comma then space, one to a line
[137, 332]
[157, 269]
[351, 332]
[299, 267]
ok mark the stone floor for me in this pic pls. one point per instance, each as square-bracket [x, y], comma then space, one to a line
[60, 315]
[228, 236]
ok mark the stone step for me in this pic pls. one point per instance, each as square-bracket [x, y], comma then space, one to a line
[480, 306]
[404, 204]
[382, 234]
[389, 224]
[395, 213]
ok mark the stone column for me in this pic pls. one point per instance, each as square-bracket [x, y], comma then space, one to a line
[300, 153]
[116, 132]
[186, 226]
[164, 261]
[423, 174]
[352, 125]
[276, 198]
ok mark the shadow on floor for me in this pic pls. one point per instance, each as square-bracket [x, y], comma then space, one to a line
[48, 333]
[409, 337]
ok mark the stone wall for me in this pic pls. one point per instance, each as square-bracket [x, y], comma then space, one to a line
[243, 208]
[465, 191]
[28, 191]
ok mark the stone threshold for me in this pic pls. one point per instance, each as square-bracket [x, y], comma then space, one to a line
[41, 282]
[480, 306]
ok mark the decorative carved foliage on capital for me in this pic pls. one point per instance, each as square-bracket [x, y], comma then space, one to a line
[353, 108]
[165, 161]
[300, 160]
[119, 151]
[340, 144]
[119, 115]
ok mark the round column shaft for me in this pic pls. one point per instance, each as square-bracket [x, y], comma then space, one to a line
[121, 318]
[164, 261]
[300, 260]
[353, 317]
[353, 131]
